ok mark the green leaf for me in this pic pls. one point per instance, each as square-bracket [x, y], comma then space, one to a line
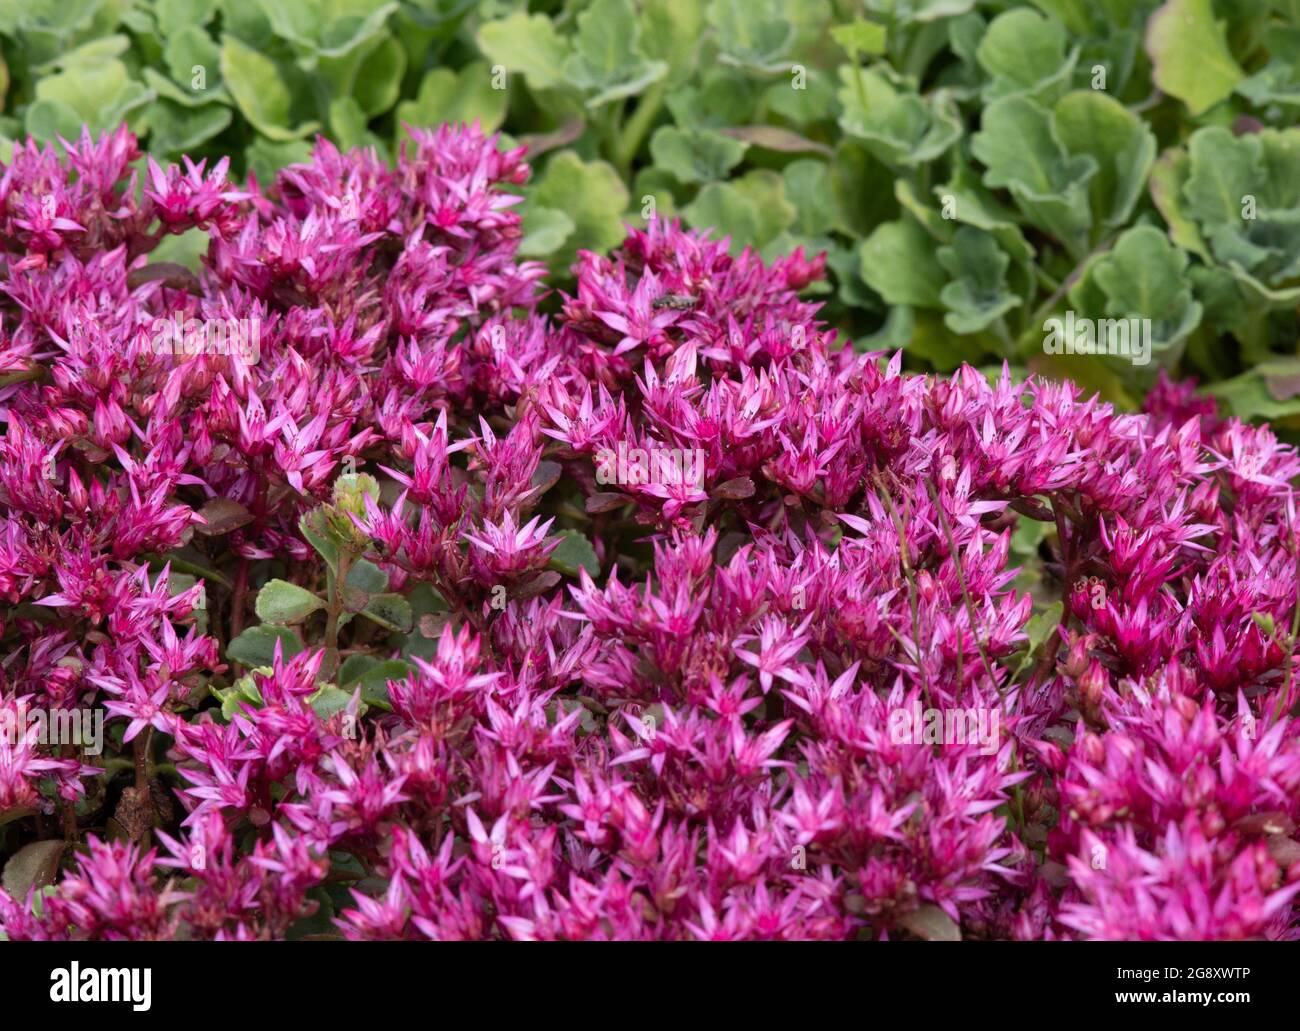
[378, 82]
[751, 33]
[722, 97]
[1143, 276]
[803, 107]
[176, 130]
[860, 38]
[1022, 152]
[390, 611]
[607, 60]
[347, 123]
[977, 295]
[925, 11]
[1024, 53]
[327, 29]
[165, 89]
[574, 552]
[93, 52]
[354, 666]
[1247, 396]
[932, 221]
[364, 575]
[969, 203]
[807, 186]
[100, 94]
[428, 610]
[1123, 147]
[356, 24]
[448, 96]
[256, 645]
[1244, 194]
[261, 92]
[670, 32]
[247, 20]
[752, 210]
[862, 188]
[545, 230]
[266, 157]
[1278, 82]
[695, 156]
[374, 682]
[896, 125]
[1168, 178]
[591, 194]
[315, 529]
[1190, 56]
[47, 120]
[242, 692]
[297, 22]
[282, 602]
[194, 61]
[1039, 629]
[898, 261]
[176, 16]
[527, 44]
[330, 699]
[319, 924]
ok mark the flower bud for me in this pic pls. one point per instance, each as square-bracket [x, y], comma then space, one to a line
[1093, 683]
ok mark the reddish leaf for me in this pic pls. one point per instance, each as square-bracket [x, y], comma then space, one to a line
[932, 924]
[33, 866]
[221, 516]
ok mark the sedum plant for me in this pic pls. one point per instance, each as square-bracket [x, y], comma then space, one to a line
[420, 602]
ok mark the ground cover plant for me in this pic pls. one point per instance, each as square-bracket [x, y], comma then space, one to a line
[972, 169]
[424, 603]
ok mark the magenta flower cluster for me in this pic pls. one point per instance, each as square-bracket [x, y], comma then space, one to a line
[697, 733]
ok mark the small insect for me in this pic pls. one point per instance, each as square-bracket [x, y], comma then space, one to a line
[677, 302]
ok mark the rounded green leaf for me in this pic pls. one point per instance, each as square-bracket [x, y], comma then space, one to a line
[448, 96]
[261, 91]
[752, 210]
[591, 194]
[256, 645]
[898, 262]
[527, 44]
[1124, 148]
[282, 602]
[1190, 56]
[574, 552]
[695, 156]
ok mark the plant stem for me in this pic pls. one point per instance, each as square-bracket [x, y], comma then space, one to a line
[334, 610]
[237, 601]
[1047, 657]
[635, 128]
[141, 747]
[1068, 281]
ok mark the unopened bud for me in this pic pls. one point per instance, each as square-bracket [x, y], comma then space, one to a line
[1093, 683]
[1076, 660]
